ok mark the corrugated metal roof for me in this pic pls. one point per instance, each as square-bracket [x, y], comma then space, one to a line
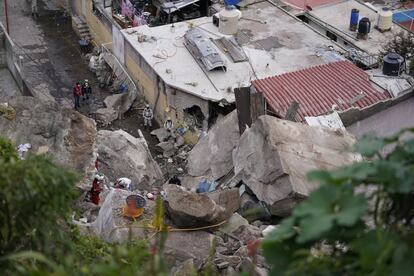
[318, 88]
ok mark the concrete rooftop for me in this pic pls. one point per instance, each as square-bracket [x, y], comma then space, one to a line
[338, 16]
[279, 40]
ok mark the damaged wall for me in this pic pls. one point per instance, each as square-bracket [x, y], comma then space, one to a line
[146, 81]
[179, 100]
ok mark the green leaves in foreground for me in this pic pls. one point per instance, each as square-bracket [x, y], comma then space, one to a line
[328, 234]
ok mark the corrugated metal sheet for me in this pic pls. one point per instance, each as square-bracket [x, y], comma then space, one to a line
[318, 88]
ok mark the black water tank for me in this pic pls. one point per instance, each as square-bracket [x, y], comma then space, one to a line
[364, 26]
[393, 64]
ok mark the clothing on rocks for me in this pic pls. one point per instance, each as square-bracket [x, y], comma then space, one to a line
[22, 149]
[124, 183]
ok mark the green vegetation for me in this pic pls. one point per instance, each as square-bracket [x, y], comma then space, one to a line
[360, 220]
[35, 236]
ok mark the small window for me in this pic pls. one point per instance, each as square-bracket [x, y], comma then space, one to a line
[331, 35]
[303, 18]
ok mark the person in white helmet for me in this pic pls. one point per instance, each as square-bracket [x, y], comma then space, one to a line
[168, 125]
[86, 90]
[148, 115]
[124, 183]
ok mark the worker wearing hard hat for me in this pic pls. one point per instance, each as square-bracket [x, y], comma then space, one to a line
[168, 124]
[148, 115]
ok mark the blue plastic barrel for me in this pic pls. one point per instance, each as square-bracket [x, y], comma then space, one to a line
[353, 24]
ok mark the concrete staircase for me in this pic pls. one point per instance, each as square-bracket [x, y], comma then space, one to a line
[81, 28]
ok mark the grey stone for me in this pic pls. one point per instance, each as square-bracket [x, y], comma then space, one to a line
[248, 233]
[228, 199]
[185, 269]
[242, 251]
[190, 209]
[123, 155]
[221, 250]
[229, 271]
[166, 146]
[232, 260]
[161, 133]
[106, 116]
[179, 141]
[181, 246]
[66, 135]
[213, 153]
[251, 209]
[274, 156]
[222, 265]
[233, 223]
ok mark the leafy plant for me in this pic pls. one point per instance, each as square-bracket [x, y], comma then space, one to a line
[360, 220]
[36, 237]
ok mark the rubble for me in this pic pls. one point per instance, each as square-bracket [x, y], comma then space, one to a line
[234, 222]
[274, 156]
[181, 246]
[213, 154]
[123, 155]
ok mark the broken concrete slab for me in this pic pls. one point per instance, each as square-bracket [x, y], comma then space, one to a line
[190, 209]
[213, 154]
[274, 156]
[123, 155]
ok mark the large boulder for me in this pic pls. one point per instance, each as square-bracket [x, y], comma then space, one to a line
[190, 209]
[66, 135]
[213, 154]
[274, 156]
[123, 155]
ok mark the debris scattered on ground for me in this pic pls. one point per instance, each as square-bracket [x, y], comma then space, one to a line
[7, 111]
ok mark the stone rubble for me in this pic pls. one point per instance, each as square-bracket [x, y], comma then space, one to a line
[254, 179]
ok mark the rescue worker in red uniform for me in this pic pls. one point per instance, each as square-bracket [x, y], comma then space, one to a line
[96, 189]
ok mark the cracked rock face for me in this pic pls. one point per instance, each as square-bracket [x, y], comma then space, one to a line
[213, 154]
[62, 133]
[274, 156]
[122, 155]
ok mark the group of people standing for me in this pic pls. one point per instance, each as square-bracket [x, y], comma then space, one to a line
[81, 92]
